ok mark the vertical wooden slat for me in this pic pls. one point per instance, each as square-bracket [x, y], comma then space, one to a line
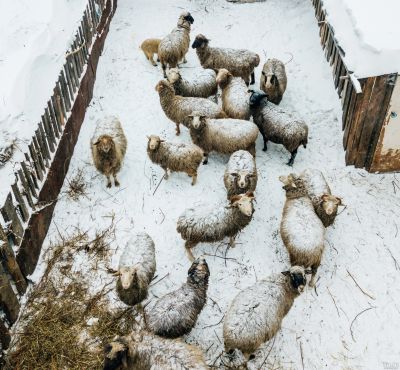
[35, 159]
[57, 113]
[5, 337]
[53, 119]
[8, 299]
[51, 139]
[21, 202]
[69, 81]
[65, 92]
[61, 103]
[11, 216]
[43, 144]
[30, 179]
[35, 140]
[349, 115]
[27, 190]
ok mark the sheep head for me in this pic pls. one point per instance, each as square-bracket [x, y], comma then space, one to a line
[330, 203]
[223, 77]
[164, 86]
[297, 278]
[105, 144]
[200, 41]
[196, 121]
[116, 354]
[244, 203]
[242, 178]
[187, 17]
[127, 276]
[154, 142]
[198, 273]
[256, 97]
[173, 75]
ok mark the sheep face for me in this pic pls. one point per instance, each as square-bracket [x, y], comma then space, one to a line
[330, 203]
[164, 85]
[127, 276]
[197, 121]
[255, 98]
[116, 354]
[223, 77]
[173, 75]
[187, 17]
[271, 81]
[244, 202]
[297, 277]
[289, 182]
[199, 272]
[105, 144]
[242, 179]
[154, 142]
[200, 42]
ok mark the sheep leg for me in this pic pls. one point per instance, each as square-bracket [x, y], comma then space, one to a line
[108, 181]
[151, 60]
[253, 80]
[231, 242]
[205, 161]
[293, 156]
[314, 269]
[193, 175]
[116, 182]
[252, 149]
[178, 130]
[164, 68]
[188, 246]
[166, 174]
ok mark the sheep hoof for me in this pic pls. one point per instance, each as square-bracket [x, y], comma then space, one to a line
[116, 183]
[109, 185]
[264, 149]
[154, 64]
[205, 162]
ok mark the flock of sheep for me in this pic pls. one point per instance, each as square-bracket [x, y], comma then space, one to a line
[255, 315]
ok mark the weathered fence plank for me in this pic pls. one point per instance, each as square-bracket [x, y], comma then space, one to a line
[8, 300]
[10, 216]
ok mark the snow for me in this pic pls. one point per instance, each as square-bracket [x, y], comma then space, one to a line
[34, 36]
[368, 31]
[363, 241]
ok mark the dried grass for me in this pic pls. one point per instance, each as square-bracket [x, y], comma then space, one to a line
[65, 325]
[77, 186]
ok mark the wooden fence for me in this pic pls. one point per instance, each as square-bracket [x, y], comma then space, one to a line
[365, 101]
[23, 200]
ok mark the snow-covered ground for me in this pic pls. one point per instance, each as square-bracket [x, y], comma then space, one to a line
[367, 30]
[34, 36]
[324, 328]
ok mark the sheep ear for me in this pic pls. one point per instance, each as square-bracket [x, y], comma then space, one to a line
[283, 179]
[162, 141]
[234, 174]
[97, 142]
[324, 197]
[234, 199]
[250, 194]
[286, 273]
[340, 203]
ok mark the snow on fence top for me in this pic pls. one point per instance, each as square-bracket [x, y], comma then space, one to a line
[34, 36]
[368, 32]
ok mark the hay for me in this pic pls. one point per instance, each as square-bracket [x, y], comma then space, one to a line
[77, 186]
[65, 325]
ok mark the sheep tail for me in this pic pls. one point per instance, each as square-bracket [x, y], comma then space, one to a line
[257, 60]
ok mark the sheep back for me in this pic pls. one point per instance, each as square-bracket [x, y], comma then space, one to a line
[225, 135]
[302, 232]
[205, 223]
[235, 99]
[139, 254]
[240, 162]
[110, 126]
[202, 85]
[281, 127]
[256, 313]
[177, 157]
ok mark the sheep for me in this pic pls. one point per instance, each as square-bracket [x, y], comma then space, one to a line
[137, 266]
[202, 85]
[277, 125]
[146, 351]
[239, 62]
[149, 48]
[325, 204]
[222, 135]
[108, 146]
[240, 174]
[256, 313]
[175, 45]
[176, 157]
[235, 97]
[213, 223]
[301, 229]
[176, 313]
[178, 108]
[273, 80]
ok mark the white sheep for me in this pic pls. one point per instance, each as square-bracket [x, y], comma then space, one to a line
[325, 204]
[177, 157]
[240, 174]
[137, 266]
[201, 85]
[108, 146]
[239, 62]
[273, 80]
[301, 229]
[222, 135]
[146, 351]
[178, 108]
[235, 95]
[277, 125]
[212, 223]
[175, 45]
[256, 313]
[176, 313]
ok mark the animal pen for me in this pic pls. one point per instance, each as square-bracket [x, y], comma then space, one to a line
[371, 106]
